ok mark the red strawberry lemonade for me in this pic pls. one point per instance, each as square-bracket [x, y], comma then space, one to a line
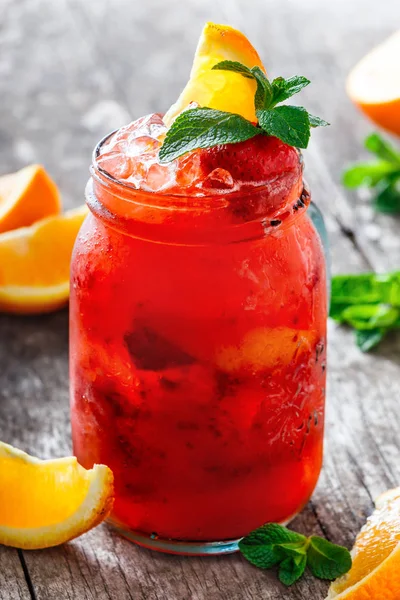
[198, 315]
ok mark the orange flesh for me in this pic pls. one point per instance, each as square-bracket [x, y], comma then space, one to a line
[39, 256]
[38, 494]
[375, 542]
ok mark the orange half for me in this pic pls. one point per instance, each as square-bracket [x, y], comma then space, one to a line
[27, 196]
[48, 502]
[34, 263]
[222, 90]
[375, 573]
[374, 84]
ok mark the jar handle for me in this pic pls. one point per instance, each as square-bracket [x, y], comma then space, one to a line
[318, 221]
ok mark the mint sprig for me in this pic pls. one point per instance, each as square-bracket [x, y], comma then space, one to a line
[369, 303]
[273, 544]
[205, 127]
[382, 175]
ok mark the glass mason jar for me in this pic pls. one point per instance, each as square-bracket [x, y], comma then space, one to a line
[198, 336]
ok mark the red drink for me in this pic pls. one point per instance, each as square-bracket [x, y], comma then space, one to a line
[198, 324]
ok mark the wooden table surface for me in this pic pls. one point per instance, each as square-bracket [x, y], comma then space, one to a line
[72, 70]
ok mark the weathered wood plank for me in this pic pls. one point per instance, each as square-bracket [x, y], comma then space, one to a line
[13, 584]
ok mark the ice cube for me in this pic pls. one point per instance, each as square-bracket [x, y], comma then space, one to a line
[143, 144]
[219, 179]
[116, 164]
[159, 177]
[131, 153]
[148, 126]
[189, 170]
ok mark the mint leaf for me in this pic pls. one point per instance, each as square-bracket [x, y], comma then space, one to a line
[362, 288]
[236, 67]
[336, 312]
[265, 547]
[370, 316]
[264, 93]
[273, 544]
[327, 560]
[317, 122]
[388, 198]
[368, 174]
[366, 340]
[263, 556]
[390, 287]
[273, 533]
[384, 316]
[204, 128]
[383, 150]
[368, 302]
[285, 88]
[288, 123]
[383, 174]
[292, 568]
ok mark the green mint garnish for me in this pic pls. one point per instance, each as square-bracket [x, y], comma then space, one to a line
[206, 127]
[368, 303]
[326, 560]
[285, 88]
[383, 174]
[292, 568]
[273, 544]
[291, 124]
[368, 339]
[317, 122]
[265, 92]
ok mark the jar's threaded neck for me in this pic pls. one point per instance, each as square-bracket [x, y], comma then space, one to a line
[251, 213]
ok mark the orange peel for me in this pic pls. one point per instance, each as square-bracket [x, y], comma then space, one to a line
[48, 502]
[221, 90]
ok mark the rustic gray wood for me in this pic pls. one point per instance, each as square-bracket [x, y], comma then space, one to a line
[69, 72]
[12, 578]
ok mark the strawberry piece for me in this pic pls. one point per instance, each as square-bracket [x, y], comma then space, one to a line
[257, 160]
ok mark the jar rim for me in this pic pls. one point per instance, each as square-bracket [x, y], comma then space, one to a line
[164, 198]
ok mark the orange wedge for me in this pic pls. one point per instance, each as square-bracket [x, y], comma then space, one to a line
[48, 502]
[374, 84]
[265, 348]
[34, 263]
[27, 196]
[222, 90]
[375, 574]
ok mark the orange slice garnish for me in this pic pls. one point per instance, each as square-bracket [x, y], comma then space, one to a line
[48, 502]
[27, 196]
[222, 90]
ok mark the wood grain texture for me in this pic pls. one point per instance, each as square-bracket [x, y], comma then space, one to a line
[13, 585]
[71, 71]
